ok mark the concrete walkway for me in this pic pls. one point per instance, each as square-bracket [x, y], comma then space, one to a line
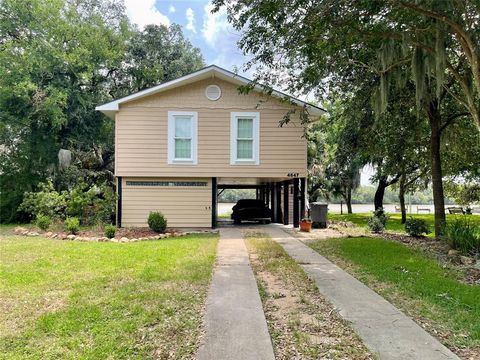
[384, 329]
[235, 324]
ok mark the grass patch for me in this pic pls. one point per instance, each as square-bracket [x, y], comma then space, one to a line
[70, 300]
[414, 282]
[302, 324]
[394, 222]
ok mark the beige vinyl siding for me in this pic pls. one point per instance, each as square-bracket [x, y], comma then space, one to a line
[142, 141]
[183, 206]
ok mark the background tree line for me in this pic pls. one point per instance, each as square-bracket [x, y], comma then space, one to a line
[58, 60]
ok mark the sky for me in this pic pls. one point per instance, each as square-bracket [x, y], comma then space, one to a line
[211, 33]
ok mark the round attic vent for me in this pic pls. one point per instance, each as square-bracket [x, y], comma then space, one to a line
[213, 92]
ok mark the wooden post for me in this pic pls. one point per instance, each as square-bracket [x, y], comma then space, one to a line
[273, 201]
[278, 191]
[296, 209]
[214, 202]
[119, 201]
[302, 198]
[267, 194]
[286, 195]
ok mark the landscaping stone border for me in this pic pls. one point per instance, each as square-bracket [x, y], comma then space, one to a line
[63, 236]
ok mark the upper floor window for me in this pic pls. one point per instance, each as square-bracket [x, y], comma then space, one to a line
[182, 137]
[244, 138]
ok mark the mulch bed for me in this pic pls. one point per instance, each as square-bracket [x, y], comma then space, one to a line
[122, 235]
[130, 233]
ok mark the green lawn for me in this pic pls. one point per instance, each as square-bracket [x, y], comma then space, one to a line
[71, 300]
[394, 221]
[414, 282]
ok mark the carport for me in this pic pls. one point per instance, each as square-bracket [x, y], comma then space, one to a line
[285, 196]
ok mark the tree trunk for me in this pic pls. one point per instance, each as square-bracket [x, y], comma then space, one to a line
[437, 182]
[348, 200]
[401, 197]
[380, 192]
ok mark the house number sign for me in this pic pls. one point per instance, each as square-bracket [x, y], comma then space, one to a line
[292, 175]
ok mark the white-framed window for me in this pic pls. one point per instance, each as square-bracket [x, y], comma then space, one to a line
[245, 138]
[182, 137]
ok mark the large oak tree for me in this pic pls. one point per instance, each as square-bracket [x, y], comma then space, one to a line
[317, 46]
[58, 60]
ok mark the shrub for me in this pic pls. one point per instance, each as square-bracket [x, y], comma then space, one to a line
[381, 215]
[46, 201]
[416, 227]
[110, 231]
[90, 204]
[376, 224]
[157, 222]
[463, 235]
[43, 222]
[72, 225]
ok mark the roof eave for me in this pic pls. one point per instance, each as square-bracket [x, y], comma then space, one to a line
[108, 109]
[112, 107]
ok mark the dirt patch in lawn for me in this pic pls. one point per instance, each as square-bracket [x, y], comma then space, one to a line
[302, 324]
[314, 234]
[16, 312]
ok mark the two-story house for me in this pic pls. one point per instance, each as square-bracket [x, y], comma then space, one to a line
[179, 143]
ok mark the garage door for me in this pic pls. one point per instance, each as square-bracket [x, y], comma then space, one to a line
[184, 202]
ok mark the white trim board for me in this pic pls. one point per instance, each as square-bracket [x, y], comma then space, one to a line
[171, 138]
[233, 138]
[112, 107]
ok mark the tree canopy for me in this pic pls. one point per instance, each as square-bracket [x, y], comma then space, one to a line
[352, 50]
[58, 60]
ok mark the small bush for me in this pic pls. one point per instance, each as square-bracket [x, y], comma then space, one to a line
[43, 222]
[157, 222]
[72, 225]
[110, 231]
[463, 235]
[91, 204]
[46, 201]
[376, 224]
[416, 227]
[381, 215]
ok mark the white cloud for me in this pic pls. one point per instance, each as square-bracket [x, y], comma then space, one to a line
[171, 9]
[214, 24]
[222, 39]
[144, 12]
[190, 20]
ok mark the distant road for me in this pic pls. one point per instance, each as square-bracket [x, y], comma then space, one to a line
[226, 208]
[365, 208]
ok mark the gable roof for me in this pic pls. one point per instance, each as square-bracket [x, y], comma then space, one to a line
[112, 107]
